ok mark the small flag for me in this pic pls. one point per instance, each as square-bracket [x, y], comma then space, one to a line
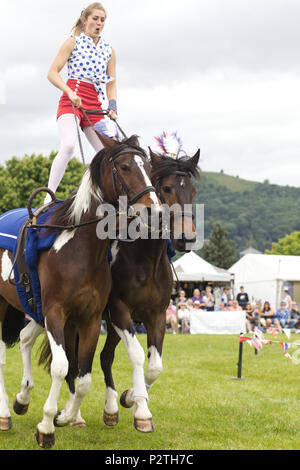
[285, 347]
[258, 333]
[244, 338]
[256, 343]
[287, 332]
[272, 331]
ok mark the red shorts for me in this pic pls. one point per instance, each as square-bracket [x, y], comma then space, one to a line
[89, 100]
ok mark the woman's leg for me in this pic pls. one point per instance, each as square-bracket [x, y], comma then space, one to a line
[68, 134]
[93, 138]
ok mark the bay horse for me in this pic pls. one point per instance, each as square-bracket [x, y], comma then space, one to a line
[75, 280]
[141, 290]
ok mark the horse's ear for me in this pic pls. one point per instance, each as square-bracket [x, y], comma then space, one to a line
[106, 141]
[195, 159]
[154, 158]
[133, 140]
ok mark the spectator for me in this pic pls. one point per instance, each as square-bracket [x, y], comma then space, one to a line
[251, 317]
[171, 317]
[208, 299]
[287, 299]
[184, 317]
[181, 298]
[139, 327]
[242, 298]
[283, 317]
[225, 297]
[197, 296]
[295, 314]
[295, 311]
[189, 303]
[267, 315]
[221, 307]
[235, 306]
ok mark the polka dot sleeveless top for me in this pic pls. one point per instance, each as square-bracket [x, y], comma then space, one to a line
[89, 62]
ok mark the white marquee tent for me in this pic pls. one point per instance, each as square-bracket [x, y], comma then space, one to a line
[191, 267]
[265, 276]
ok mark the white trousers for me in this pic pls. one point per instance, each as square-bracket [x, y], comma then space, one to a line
[68, 135]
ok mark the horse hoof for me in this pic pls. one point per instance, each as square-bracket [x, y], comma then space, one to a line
[110, 419]
[78, 424]
[144, 425]
[46, 441]
[56, 422]
[125, 402]
[5, 424]
[20, 409]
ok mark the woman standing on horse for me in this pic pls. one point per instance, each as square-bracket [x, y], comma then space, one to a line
[91, 64]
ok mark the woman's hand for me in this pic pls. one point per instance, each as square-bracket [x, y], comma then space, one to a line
[76, 100]
[112, 115]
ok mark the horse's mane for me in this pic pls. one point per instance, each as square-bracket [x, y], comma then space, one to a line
[98, 161]
[70, 210]
[167, 166]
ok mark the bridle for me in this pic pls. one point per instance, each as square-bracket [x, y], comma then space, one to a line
[117, 178]
[159, 194]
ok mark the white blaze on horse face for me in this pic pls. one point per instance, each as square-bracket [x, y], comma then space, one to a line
[62, 239]
[140, 164]
[6, 266]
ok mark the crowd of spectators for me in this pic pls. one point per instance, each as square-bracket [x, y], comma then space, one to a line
[182, 307]
[265, 316]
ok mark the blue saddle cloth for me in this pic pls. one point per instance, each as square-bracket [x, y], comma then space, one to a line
[11, 223]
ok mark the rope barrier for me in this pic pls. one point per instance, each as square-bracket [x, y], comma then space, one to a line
[258, 340]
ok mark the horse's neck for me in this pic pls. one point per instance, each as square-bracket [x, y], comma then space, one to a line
[146, 250]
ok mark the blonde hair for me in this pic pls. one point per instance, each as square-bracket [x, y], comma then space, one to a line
[86, 12]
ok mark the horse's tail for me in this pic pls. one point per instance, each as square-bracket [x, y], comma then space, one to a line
[14, 322]
[45, 354]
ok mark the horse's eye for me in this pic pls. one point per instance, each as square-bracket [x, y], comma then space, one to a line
[125, 168]
[167, 189]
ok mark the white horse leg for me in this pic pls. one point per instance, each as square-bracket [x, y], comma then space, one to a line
[28, 337]
[71, 413]
[111, 408]
[138, 395]
[59, 370]
[154, 368]
[62, 417]
[5, 418]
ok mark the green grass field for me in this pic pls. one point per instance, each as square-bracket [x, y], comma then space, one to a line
[195, 403]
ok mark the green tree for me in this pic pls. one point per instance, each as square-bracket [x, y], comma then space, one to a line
[219, 251]
[23, 175]
[288, 245]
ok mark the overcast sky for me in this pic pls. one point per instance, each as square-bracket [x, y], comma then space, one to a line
[224, 74]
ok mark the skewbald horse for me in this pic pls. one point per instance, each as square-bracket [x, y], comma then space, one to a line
[141, 290]
[75, 279]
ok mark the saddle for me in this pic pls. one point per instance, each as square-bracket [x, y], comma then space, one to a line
[25, 258]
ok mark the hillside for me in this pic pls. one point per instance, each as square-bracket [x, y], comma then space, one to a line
[255, 214]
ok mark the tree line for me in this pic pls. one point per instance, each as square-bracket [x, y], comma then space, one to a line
[264, 215]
